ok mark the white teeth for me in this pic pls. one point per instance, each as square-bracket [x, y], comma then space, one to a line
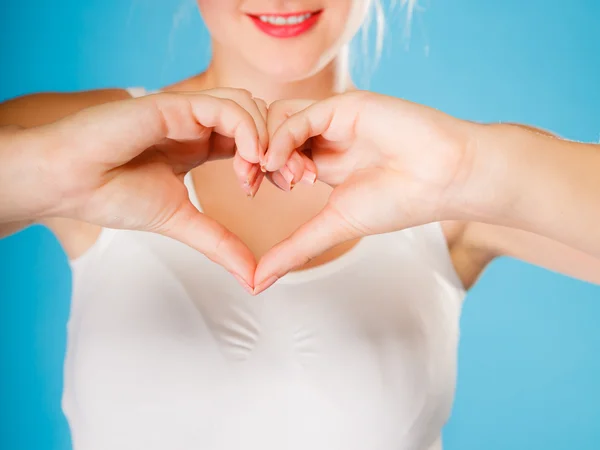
[281, 21]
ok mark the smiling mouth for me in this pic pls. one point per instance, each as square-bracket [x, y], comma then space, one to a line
[286, 25]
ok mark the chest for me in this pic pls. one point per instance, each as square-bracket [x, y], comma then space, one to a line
[333, 359]
[263, 221]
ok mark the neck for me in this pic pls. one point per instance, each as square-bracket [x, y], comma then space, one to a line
[234, 72]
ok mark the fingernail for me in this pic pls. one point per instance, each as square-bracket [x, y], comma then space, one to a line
[263, 168]
[288, 176]
[308, 177]
[251, 178]
[247, 190]
[280, 182]
[245, 285]
[256, 184]
[265, 285]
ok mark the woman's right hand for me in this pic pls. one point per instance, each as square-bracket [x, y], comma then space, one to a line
[393, 165]
[122, 165]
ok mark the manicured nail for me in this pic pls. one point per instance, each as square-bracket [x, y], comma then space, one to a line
[288, 176]
[279, 181]
[265, 285]
[251, 178]
[247, 189]
[245, 285]
[256, 185]
[308, 177]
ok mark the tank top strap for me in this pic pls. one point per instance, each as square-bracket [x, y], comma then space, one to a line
[440, 252]
[136, 92]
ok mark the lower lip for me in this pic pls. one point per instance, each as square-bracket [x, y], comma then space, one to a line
[286, 31]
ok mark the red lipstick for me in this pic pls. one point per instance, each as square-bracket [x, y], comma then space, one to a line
[286, 25]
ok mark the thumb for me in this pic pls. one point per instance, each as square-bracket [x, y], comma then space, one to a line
[206, 235]
[324, 231]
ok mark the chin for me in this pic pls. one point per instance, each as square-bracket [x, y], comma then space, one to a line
[289, 70]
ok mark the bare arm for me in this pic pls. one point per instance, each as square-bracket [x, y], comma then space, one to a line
[39, 109]
[573, 243]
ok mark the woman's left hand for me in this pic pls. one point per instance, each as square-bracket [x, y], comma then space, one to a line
[122, 165]
[393, 164]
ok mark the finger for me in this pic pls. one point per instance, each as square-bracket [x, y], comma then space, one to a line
[279, 112]
[230, 119]
[264, 111]
[256, 107]
[249, 175]
[259, 178]
[322, 232]
[114, 133]
[293, 170]
[278, 180]
[255, 111]
[262, 106]
[212, 239]
[296, 130]
[201, 114]
[245, 172]
[209, 112]
[309, 176]
[221, 147]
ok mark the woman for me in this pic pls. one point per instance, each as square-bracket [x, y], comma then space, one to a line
[358, 350]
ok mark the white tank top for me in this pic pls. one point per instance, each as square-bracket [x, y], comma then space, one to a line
[166, 351]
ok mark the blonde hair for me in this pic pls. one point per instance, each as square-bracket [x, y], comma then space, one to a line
[377, 15]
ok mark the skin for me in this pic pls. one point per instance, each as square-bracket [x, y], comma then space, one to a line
[122, 165]
[311, 66]
[394, 165]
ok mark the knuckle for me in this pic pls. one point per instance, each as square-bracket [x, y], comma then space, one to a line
[230, 103]
[239, 94]
[232, 107]
[260, 101]
[244, 92]
[357, 97]
[277, 107]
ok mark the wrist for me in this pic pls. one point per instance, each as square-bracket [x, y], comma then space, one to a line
[490, 173]
[507, 166]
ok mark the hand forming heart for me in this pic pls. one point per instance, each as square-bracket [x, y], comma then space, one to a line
[392, 164]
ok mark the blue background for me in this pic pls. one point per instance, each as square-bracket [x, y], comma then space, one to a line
[529, 375]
